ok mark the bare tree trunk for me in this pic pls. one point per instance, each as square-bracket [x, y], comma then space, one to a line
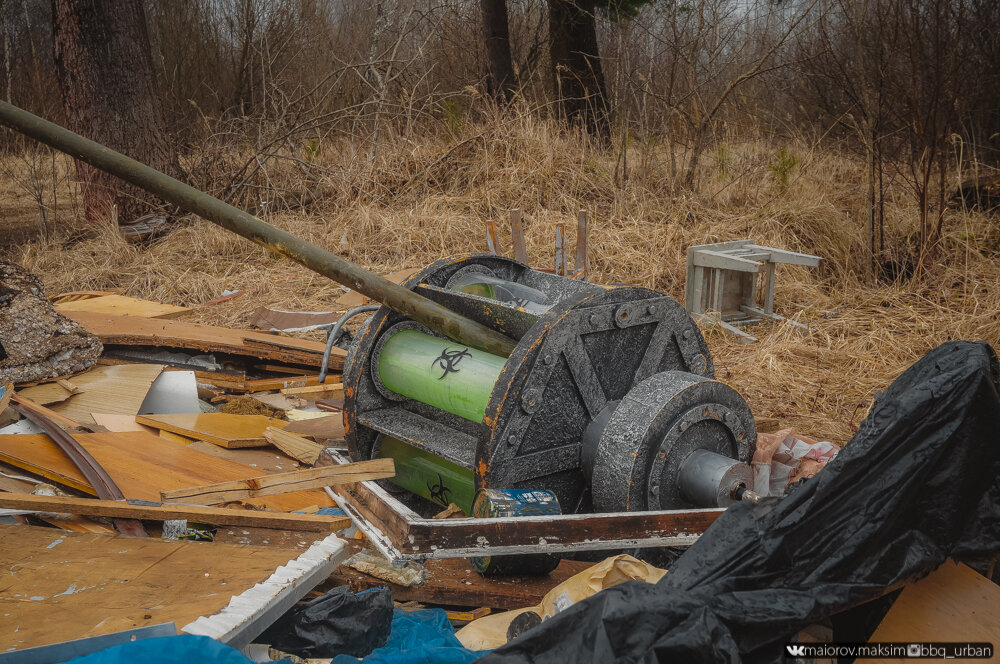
[105, 71]
[500, 82]
[576, 64]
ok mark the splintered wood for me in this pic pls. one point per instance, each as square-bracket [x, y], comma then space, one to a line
[293, 445]
[118, 390]
[223, 429]
[142, 465]
[271, 485]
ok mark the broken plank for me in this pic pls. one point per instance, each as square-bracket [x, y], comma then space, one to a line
[142, 465]
[316, 392]
[319, 429]
[271, 485]
[294, 445]
[116, 389]
[121, 305]
[219, 516]
[132, 331]
[223, 429]
[264, 384]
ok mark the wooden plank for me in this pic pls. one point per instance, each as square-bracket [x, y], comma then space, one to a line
[319, 429]
[223, 429]
[142, 465]
[953, 604]
[491, 237]
[133, 331]
[219, 516]
[59, 419]
[517, 237]
[723, 261]
[265, 384]
[453, 582]
[261, 459]
[120, 305]
[560, 266]
[272, 485]
[582, 264]
[294, 445]
[110, 389]
[316, 392]
[60, 586]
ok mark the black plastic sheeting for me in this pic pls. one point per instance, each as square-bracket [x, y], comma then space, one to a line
[337, 622]
[918, 483]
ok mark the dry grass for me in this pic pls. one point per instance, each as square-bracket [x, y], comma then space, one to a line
[423, 199]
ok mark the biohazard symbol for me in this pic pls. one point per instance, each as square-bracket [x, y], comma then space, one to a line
[449, 359]
[439, 492]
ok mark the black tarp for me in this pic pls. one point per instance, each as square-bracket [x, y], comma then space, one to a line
[918, 483]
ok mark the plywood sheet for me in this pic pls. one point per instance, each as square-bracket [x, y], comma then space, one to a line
[118, 389]
[142, 465]
[121, 305]
[954, 603]
[223, 429]
[60, 585]
[264, 459]
[133, 331]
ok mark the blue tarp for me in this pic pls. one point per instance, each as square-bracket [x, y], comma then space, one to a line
[183, 649]
[419, 637]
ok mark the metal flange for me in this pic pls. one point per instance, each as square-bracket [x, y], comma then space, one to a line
[636, 460]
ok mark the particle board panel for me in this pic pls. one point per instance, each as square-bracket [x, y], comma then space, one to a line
[134, 331]
[120, 423]
[61, 585]
[118, 389]
[142, 465]
[954, 603]
[223, 429]
[121, 305]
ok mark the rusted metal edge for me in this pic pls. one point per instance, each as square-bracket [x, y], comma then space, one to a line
[87, 464]
[400, 534]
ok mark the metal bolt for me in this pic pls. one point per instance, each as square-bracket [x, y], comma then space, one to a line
[548, 359]
[594, 320]
[654, 489]
[684, 425]
[686, 334]
[511, 439]
[651, 309]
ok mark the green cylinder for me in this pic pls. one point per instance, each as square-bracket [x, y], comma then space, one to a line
[439, 372]
[429, 475]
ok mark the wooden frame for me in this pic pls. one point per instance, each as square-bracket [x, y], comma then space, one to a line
[401, 534]
[722, 283]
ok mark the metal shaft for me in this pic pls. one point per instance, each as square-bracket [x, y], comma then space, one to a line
[394, 296]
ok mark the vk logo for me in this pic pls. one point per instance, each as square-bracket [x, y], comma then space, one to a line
[795, 651]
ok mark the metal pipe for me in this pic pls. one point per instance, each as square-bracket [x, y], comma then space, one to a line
[334, 332]
[378, 288]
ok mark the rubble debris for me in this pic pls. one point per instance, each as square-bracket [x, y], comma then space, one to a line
[337, 622]
[375, 564]
[492, 631]
[785, 457]
[245, 405]
[119, 389]
[143, 465]
[36, 341]
[736, 595]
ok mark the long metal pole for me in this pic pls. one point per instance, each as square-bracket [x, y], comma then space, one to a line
[378, 288]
